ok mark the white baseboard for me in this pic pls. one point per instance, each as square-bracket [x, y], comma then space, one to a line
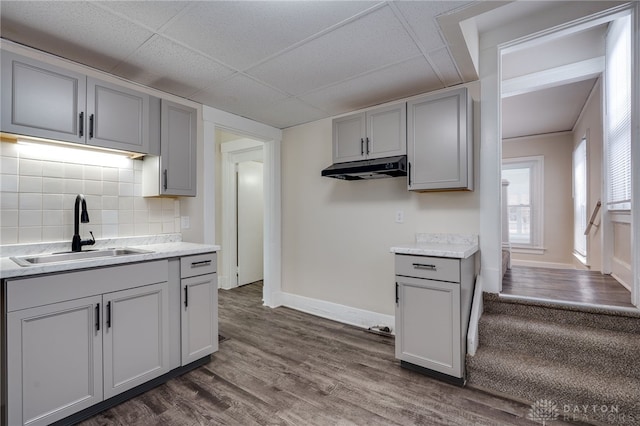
[336, 312]
[535, 264]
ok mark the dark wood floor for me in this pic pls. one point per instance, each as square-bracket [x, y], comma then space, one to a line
[283, 367]
[566, 285]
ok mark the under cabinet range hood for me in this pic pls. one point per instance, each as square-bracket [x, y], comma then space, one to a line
[368, 169]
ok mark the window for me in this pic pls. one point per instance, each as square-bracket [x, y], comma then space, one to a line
[580, 198]
[618, 114]
[524, 200]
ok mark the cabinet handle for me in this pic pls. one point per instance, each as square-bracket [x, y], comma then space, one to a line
[368, 146]
[201, 263]
[423, 266]
[186, 296]
[164, 179]
[409, 173]
[98, 317]
[361, 146]
[108, 314]
[81, 125]
[91, 126]
[397, 295]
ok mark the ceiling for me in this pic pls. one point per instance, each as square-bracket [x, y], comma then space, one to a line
[281, 63]
[548, 83]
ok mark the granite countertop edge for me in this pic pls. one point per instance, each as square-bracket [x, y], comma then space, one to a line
[457, 251]
[162, 250]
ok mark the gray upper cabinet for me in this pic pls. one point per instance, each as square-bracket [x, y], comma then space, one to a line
[50, 102]
[173, 172]
[42, 100]
[380, 132]
[440, 142]
[118, 117]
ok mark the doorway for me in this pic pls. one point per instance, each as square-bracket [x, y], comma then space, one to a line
[240, 209]
[556, 145]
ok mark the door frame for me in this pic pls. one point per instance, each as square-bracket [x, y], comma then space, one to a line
[491, 47]
[272, 138]
[233, 153]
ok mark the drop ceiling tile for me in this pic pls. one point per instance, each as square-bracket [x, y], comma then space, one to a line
[421, 17]
[444, 63]
[178, 70]
[153, 14]
[242, 33]
[287, 113]
[369, 42]
[73, 30]
[239, 95]
[398, 81]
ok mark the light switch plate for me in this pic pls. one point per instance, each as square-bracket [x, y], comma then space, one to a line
[399, 216]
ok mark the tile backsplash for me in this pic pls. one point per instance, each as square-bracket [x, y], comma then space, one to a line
[38, 188]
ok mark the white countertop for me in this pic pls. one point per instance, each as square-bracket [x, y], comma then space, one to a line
[440, 245]
[161, 247]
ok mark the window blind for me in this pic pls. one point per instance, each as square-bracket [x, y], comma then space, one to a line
[618, 114]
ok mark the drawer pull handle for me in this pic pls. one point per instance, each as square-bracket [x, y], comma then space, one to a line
[201, 263]
[423, 266]
[98, 317]
[186, 296]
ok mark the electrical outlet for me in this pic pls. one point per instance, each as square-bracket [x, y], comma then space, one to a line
[399, 216]
[185, 223]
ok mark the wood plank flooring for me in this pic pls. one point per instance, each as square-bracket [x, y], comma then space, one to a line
[283, 367]
[566, 285]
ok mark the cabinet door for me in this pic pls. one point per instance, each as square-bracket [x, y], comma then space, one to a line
[439, 142]
[199, 317]
[118, 117]
[178, 141]
[136, 337]
[386, 131]
[54, 361]
[428, 324]
[349, 135]
[42, 100]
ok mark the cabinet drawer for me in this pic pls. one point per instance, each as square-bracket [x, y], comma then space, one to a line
[199, 264]
[432, 268]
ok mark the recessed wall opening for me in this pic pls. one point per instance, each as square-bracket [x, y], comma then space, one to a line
[563, 226]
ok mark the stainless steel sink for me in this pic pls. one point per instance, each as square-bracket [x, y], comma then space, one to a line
[75, 256]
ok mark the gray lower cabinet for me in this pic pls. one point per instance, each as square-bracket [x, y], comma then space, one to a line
[72, 343]
[379, 132]
[433, 297]
[46, 101]
[54, 361]
[440, 142]
[135, 337]
[199, 301]
[172, 168]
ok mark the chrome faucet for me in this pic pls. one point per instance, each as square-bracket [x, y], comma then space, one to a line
[77, 242]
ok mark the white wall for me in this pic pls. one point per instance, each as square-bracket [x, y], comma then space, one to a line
[336, 235]
[558, 202]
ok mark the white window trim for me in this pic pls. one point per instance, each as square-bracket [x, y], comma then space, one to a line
[537, 202]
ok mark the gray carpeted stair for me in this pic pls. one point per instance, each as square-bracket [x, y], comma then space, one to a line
[586, 360]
